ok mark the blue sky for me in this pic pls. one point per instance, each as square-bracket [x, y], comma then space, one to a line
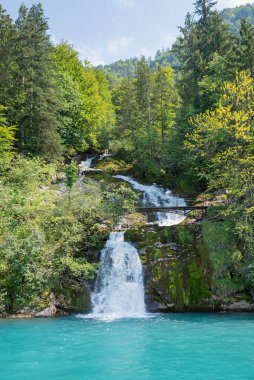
[106, 30]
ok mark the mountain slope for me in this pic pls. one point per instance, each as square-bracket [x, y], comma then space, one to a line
[234, 15]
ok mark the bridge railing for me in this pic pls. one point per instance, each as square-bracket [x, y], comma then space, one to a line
[172, 209]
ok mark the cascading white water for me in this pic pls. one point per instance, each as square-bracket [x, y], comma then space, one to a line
[105, 155]
[154, 195]
[85, 165]
[119, 288]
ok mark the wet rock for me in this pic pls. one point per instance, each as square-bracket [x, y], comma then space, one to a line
[62, 313]
[157, 307]
[179, 308]
[112, 165]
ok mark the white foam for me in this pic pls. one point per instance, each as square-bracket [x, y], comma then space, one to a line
[86, 165]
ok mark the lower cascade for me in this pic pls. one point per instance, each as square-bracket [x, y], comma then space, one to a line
[119, 288]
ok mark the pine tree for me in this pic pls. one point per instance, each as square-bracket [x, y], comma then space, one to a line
[35, 93]
[125, 101]
[200, 40]
[165, 101]
[204, 8]
[246, 46]
[203, 43]
[144, 88]
[185, 49]
[7, 37]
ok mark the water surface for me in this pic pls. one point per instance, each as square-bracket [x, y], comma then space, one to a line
[177, 346]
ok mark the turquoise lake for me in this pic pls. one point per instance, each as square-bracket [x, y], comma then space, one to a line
[177, 346]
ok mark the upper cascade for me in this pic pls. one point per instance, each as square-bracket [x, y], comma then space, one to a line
[154, 195]
[86, 164]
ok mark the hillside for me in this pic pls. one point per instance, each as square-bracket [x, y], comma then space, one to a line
[234, 15]
[127, 67]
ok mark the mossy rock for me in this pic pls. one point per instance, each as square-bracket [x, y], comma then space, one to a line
[178, 269]
[198, 289]
[73, 299]
[134, 221]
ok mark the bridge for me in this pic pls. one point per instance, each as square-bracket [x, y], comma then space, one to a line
[174, 209]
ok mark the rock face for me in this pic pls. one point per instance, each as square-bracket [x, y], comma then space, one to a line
[74, 299]
[50, 311]
[177, 268]
[187, 268]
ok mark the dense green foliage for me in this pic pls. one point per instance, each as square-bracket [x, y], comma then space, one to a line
[44, 232]
[145, 108]
[222, 144]
[7, 137]
[56, 102]
[86, 100]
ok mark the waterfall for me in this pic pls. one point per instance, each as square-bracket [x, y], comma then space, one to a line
[154, 195]
[119, 289]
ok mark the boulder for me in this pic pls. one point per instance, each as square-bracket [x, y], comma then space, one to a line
[50, 311]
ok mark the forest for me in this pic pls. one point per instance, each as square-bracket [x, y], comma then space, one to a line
[187, 125]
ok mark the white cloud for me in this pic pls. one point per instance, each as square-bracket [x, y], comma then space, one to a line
[232, 3]
[126, 4]
[146, 52]
[167, 41]
[119, 45]
[93, 55]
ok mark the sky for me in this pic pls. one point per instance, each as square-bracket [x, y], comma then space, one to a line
[104, 31]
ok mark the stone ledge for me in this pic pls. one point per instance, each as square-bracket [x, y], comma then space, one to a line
[238, 306]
